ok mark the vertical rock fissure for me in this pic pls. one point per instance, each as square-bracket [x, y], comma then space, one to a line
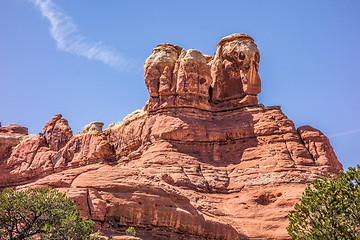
[307, 149]
[288, 149]
[88, 201]
[206, 181]
[210, 94]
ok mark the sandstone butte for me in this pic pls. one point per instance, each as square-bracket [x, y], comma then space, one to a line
[201, 160]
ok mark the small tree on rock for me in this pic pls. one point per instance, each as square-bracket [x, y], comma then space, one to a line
[329, 209]
[41, 212]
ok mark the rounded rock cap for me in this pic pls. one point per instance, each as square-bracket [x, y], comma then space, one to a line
[168, 45]
[233, 37]
[93, 127]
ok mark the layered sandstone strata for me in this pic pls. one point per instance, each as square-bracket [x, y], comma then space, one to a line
[202, 160]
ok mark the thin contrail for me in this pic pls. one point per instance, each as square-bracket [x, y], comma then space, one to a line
[64, 31]
[350, 132]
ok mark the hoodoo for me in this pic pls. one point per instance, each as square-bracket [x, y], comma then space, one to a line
[201, 160]
[229, 80]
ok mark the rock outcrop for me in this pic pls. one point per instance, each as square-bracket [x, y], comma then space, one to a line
[57, 132]
[229, 80]
[202, 160]
[10, 136]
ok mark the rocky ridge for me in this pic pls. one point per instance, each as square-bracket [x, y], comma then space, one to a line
[201, 160]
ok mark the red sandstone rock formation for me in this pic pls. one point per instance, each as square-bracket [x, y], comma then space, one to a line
[202, 160]
[179, 78]
[10, 137]
[57, 132]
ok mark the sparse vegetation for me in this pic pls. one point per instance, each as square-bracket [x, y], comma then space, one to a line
[130, 231]
[41, 212]
[329, 209]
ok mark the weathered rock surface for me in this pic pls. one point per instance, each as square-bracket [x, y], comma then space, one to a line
[13, 130]
[179, 78]
[10, 136]
[57, 132]
[319, 147]
[202, 160]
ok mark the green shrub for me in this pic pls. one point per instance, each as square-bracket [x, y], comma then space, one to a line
[329, 209]
[41, 212]
[130, 231]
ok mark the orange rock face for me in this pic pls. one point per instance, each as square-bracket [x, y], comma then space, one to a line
[202, 160]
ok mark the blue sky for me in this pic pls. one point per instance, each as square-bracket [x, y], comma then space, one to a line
[84, 58]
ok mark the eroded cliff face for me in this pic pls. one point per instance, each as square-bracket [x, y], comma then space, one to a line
[202, 160]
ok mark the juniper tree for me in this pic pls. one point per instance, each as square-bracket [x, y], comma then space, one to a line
[329, 209]
[42, 212]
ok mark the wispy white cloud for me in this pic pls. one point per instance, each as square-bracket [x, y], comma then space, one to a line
[345, 133]
[64, 31]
